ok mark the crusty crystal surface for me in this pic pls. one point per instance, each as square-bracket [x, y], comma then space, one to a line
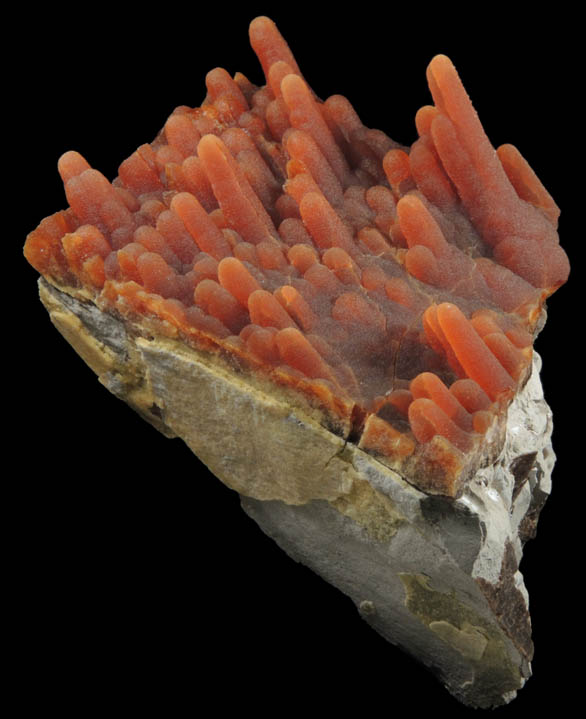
[398, 289]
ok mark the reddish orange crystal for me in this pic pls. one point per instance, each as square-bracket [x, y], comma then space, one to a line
[397, 288]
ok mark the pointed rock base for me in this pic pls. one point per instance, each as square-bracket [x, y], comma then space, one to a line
[436, 576]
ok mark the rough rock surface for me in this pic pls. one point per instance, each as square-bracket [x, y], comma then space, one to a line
[439, 577]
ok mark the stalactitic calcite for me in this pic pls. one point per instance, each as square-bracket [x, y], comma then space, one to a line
[391, 295]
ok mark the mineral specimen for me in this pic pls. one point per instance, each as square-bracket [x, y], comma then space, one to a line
[341, 328]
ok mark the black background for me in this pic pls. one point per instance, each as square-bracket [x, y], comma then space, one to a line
[136, 578]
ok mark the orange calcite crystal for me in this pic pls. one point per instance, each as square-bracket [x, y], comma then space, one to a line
[396, 289]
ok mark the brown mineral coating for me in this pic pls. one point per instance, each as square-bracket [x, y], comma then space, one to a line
[396, 288]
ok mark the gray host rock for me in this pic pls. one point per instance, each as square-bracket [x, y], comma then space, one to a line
[438, 577]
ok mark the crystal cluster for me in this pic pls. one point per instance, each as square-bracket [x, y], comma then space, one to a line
[395, 290]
